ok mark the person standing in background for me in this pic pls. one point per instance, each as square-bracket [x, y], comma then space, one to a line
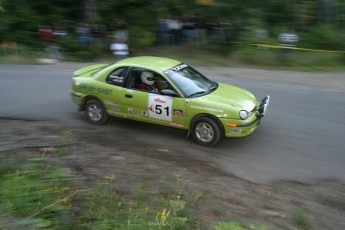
[288, 40]
[119, 49]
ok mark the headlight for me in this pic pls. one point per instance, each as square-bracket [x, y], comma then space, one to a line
[243, 114]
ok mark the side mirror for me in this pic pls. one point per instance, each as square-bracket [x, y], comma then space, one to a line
[169, 92]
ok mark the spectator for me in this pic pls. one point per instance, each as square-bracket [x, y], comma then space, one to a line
[188, 29]
[53, 52]
[174, 27]
[119, 49]
[164, 32]
[98, 32]
[83, 33]
[47, 37]
[120, 30]
[288, 40]
[261, 35]
[201, 30]
[60, 30]
[45, 33]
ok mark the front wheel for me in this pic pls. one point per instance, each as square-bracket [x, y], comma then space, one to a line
[206, 131]
[95, 112]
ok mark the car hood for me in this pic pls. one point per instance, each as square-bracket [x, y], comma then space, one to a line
[89, 70]
[230, 97]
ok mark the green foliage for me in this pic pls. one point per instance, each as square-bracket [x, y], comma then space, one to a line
[109, 210]
[301, 219]
[278, 12]
[19, 23]
[33, 192]
[323, 36]
[140, 37]
[218, 209]
[75, 51]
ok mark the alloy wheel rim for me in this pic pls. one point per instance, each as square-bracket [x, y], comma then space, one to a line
[204, 132]
[95, 112]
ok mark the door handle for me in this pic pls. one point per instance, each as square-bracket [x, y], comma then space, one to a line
[128, 95]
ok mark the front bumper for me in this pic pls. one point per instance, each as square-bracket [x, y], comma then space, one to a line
[241, 128]
[238, 128]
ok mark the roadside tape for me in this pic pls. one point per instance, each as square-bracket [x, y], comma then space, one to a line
[297, 48]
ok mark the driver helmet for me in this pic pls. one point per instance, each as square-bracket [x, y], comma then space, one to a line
[147, 78]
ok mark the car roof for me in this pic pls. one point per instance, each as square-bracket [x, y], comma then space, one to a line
[151, 61]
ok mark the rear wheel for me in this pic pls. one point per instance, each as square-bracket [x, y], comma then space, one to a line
[206, 131]
[95, 112]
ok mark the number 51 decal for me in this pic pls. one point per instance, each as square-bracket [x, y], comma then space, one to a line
[160, 107]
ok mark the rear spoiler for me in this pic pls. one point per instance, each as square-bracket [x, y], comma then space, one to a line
[89, 69]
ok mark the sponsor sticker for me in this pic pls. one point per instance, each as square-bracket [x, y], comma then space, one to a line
[178, 113]
[94, 89]
[176, 124]
[178, 68]
[206, 108]
[113, 105]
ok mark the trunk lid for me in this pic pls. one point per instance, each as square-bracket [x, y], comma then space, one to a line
[89, 70]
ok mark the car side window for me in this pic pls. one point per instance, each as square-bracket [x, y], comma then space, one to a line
[134, 79]
[117, 77]
[147, 81]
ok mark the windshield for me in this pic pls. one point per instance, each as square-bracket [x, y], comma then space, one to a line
[189, 81]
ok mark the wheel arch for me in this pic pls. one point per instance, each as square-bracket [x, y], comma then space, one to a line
[86, 99]
[196, 117]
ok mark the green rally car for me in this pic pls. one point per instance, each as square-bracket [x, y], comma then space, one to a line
[167, 92]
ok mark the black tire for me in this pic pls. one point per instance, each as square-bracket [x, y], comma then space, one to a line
[95, 112]
[206, 131]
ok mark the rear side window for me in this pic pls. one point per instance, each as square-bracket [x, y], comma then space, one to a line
[117, 77]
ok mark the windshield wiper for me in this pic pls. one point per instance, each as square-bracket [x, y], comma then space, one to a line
[196, 93]
[213, 86]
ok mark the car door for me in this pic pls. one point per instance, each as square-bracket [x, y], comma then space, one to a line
[167, 110]
[114, 101]
[152, 107]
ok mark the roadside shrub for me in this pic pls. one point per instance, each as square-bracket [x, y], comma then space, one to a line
[140, 38]
[72, 50]
[36, 192]
[323, 36]
[300, 218]
[109, 209]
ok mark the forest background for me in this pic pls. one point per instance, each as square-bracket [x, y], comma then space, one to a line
[234, 27]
